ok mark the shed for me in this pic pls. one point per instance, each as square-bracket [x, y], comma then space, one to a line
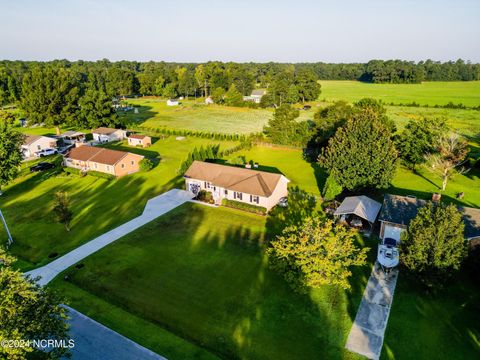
[361, 206]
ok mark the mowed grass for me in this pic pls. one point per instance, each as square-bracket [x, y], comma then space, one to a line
[441, 326]
[202, 274]
[426, 93]
[289, 162]
[98, 205]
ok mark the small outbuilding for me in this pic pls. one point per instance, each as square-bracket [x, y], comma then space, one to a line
[139, 140]
[354, 208]
[172, 102]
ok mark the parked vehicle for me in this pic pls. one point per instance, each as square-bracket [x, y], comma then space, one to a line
[46, 152]
[42, 166]
[283, 202]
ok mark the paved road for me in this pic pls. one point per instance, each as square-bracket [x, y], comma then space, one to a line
[155, 207]
[366, 335]
[93, 341]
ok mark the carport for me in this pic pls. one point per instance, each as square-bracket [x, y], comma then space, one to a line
[360, 206]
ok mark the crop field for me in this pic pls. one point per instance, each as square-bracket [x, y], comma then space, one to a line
[426, 93]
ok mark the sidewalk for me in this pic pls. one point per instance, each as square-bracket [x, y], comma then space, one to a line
[368, 329]
[155, 207]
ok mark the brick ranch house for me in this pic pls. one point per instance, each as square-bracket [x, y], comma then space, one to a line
[244, 185]
[398, 211]
[114, 162]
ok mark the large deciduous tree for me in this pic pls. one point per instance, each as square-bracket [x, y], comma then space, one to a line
[362, 153]
[284, 129]
[62, 210]
[50, 95]
[28, 312]
[10, 153]
[434, 244]
[419, 139]
[307, 85]
[315, 253]
[448, 161]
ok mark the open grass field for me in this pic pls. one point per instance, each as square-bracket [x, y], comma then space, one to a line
[427, 93]
[201, 273]
[97, 204]
[193, 115]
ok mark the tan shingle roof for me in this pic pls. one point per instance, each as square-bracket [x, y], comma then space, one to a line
[30, 139]
[95, 154]
[233, 178]
[104, 131]
[136, 136]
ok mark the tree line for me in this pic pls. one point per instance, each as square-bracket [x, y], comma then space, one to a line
[212, 78]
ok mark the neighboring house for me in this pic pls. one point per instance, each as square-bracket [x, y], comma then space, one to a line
[34, 143]
[358, 207]
[172, 102]
[139, 140]
[103, 134]
[398, 211]
[245, 185]
[256, 96]
[114, 162]
[72, 137]
[209, 100]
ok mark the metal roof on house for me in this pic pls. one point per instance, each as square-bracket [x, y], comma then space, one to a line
[72, 133]
[248, 181]
[361, 206]
[104, 131]
[258, 92]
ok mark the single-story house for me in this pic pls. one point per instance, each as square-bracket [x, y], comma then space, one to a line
[114, 162]
[35, 143]
[244, 185]
[139, 140]
[172, 102]
[359, 206]
[72, 137]
[256, 96]
[398, 211]
[103, 134]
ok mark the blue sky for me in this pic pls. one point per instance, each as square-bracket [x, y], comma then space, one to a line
[197, 31]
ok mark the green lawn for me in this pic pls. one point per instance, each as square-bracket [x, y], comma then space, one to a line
[97, 204]
[289, 162]
[442, 326]
[426, 93]
[201, 273]
[193, 115]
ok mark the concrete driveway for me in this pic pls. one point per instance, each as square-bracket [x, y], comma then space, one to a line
[93, 341]
[155, 207]
[368, 329]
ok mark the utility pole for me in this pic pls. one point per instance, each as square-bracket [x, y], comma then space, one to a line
[10, 240]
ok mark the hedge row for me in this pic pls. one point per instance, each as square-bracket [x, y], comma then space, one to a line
[260, 210]
[184, 132]
[101, 175]
[450, 105]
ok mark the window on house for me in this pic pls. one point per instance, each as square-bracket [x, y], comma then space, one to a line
[237, 195]
[133, 162]
[96, 165]
[226, 192]
[108, 168]
[39, 147]
[255, 199]
[123, 166]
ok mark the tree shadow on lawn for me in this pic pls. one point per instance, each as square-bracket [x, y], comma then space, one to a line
[214, 288]
[98, 205]
[320, 175]
[446, 323]
[145, 113]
